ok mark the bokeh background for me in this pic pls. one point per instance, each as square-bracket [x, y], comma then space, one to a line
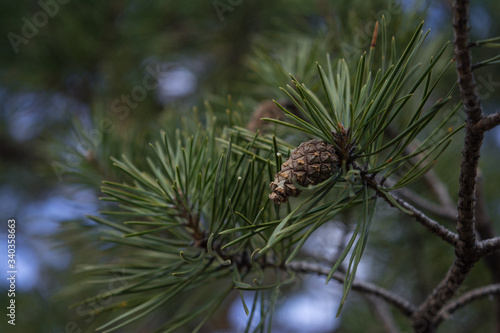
[81, 81]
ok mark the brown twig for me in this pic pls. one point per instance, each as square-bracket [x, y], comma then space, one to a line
[383, 313]
[493, 289]
[365, 287]
[427, 205]
[431, 225]
[489, 246]
[488, 122]
[423, 318]
[485, 230]
[436, 185]
[440, 190]
[490, 243]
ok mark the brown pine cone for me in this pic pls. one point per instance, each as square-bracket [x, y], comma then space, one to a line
[311, 163]
[269, 109]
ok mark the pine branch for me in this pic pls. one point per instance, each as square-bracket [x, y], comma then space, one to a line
[489, 246]
[383, 312]
[493, 289]
[434, 183]
[488, 122]
[422, 319]
[394, 201]
[365, 287]
[486, 232]
[440, 190]
[427, 205]
[466, 249]
[490, 243]
[473, 139]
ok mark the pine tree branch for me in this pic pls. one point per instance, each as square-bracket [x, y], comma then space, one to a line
[489, 246]
[488, 122]
[466, 249]
[434, 183]
[440, 190]
[423, 318]
[493, 289]
[383, 312]
[490, 243]
[486, 232]
[484, 225]
[473, 139]
[425, 204]
[431, 225]
[365, 287]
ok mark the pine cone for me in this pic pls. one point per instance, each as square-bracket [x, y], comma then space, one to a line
[269, 109]
[311, 163]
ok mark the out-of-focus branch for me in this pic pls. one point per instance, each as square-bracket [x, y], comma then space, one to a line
[493, 289]
[431, 225]
[490, 243]
[485, 230]
[425, 204]
[383, 313]
[439, 189]
[365, 287]
[434, 183]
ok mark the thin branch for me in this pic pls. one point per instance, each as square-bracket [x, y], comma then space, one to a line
[488, 122]
[486, 231]
[365, 287]
[431, 225]
[477, 66]
[427, 205]
[383, 313]
[493, 289]
[423, 318]
[484, 225]
[490, 243]
[434, 183]
[440, 190]
[489, 246]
